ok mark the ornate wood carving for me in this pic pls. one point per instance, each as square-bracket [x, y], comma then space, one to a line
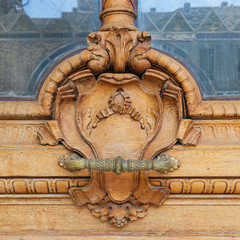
[19, 132]
[213, 132]
[200, 185]
[61, 185]
[119, 97]
[219, 132]
[119, 106]
[142, 58]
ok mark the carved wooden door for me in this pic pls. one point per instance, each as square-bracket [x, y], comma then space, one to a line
[119, 129]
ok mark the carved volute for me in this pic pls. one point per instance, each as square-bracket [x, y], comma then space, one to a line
[118, 105]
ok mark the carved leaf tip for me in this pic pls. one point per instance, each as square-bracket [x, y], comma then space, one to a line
[50, 134]
[187, 133]
[144, 36]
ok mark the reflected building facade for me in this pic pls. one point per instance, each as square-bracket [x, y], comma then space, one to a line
[207, 39]
[30, 46]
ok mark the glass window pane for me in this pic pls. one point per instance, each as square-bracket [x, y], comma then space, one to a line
[205, 35]
[34, 34]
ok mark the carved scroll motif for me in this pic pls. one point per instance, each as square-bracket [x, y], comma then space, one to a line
[104, 112]
[87, 121]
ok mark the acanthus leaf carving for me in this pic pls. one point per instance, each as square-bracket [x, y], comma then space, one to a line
[150, 120]
[117, 50]
[118, 44]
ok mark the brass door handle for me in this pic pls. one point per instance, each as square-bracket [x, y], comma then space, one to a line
[162, 163]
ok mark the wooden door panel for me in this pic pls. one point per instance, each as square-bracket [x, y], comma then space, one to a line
[215, 155]
[119, 97]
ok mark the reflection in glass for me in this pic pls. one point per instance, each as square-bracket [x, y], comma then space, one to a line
[34, 34]
[205, 35]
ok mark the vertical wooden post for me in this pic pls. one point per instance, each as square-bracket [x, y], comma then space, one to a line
[118, 13]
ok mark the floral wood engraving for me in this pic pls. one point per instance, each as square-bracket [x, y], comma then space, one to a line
[176, 185]
[85, 117]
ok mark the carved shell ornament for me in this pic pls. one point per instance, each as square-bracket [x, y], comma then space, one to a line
[118, 114]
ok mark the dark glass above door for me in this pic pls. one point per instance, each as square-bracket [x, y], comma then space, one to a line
[205, 35]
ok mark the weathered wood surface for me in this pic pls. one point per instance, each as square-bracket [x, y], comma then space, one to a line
[114, 235]
[217, 153]
[181, 213]
[207, 161]
[213, 132]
